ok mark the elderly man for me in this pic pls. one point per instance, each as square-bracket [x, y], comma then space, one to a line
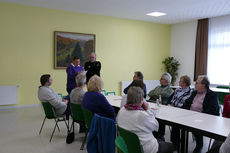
[72, 71]
[46, 94]
[202, 100]
[92, 67]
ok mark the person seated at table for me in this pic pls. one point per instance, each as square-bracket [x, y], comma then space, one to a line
[202, 100]
[46, 94]
[226, 109]
[163, 91]
[137, 76]
[137, 117]
[135, 83]
[77, 94]
[177, 99]
[96, 102]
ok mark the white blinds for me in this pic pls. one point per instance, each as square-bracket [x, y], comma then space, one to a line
[219, 50]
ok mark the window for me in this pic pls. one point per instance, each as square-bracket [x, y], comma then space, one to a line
[219, 50]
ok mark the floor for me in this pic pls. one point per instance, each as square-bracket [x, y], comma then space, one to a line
[19, 130]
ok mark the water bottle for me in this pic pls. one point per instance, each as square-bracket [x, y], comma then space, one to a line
[160, 100]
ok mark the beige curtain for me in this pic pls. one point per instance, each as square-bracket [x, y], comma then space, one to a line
[201, 49]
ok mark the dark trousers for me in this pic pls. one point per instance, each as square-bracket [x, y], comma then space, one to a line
[165, 147]
[175, 136]
[199, 140]
[69, 90]
[161, 132]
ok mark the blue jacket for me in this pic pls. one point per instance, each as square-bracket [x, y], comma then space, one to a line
[102, 135]
[97, 103]
[210, 103]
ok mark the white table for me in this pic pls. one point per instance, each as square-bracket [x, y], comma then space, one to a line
[208, 125]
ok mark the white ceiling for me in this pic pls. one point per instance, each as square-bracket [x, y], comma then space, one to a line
[177, 10]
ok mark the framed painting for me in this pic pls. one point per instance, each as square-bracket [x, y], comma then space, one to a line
[69, 45]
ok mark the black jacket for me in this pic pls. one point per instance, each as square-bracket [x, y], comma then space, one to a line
[210, 103]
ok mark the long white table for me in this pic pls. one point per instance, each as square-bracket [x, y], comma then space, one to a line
[208, 125]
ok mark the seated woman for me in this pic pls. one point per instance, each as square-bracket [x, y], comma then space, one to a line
[77, 94]
[96, 102]
[137, 76]
[135, 83]
[164, 90]
[136, 116]
[177, 99]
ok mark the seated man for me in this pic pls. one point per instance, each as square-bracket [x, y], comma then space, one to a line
[137, 116]
[137, 76]
[202, 100]
[177, 99]
[162, 93]
[46, 94]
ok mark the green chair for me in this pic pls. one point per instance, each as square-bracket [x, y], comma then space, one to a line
[121, 145]
[88, 115]
[223, 87]
[131, 139]
[111, 93]
[50, 114]
[77, 114]
[221, 97]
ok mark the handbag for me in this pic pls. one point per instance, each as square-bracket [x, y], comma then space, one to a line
[70, 136]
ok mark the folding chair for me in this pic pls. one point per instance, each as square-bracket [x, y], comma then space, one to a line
[49, 114]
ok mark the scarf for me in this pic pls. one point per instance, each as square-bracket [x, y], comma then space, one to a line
[133, 107]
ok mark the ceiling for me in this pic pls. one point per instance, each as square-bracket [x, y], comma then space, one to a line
[177, 10]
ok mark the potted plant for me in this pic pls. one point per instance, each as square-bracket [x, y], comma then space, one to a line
[171, 65]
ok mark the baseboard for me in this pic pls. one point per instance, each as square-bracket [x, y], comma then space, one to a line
[17, 107]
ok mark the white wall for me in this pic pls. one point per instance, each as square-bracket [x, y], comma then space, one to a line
[183, 39]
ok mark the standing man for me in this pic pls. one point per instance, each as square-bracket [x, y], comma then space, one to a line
[72, 71]
[92, 67]
[202, 100]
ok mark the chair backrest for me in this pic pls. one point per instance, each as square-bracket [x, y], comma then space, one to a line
[121, 145]
[131, 139]
[48, 109]
[88, 115]
[221, 97]
[77, 112]
[223, 87]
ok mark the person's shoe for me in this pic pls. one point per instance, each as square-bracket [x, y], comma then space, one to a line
[161, 138]
[197, 150]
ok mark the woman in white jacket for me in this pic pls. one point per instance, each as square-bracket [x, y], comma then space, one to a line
[136, 116]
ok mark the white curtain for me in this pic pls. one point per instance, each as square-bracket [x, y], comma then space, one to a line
[219, 50]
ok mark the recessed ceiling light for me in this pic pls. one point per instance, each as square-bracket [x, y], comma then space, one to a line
[156, 14]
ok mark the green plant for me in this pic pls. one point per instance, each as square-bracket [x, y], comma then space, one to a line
[171, 66]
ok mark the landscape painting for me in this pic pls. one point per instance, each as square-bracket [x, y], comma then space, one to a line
[69, 45]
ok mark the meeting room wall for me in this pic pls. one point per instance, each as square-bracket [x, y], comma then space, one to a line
[183, 39]
[123, 46]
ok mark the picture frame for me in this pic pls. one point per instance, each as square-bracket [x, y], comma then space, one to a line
[71, 44]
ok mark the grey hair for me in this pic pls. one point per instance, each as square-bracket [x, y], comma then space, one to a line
[167, 77]
[204, 81]
[80, 79]
[135, 95]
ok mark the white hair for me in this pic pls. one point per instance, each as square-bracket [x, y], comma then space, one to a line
[167, 77]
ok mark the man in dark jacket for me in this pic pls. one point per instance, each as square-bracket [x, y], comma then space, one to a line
[92, 67]
[202, 100]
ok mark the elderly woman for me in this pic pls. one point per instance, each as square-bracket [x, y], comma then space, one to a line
[95, 101]
[164, 90]
[137, 76]
[177, 99]
[77, 94]
[136, 116]
[135, 83]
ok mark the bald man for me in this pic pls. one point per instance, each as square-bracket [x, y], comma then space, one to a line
[92, 67]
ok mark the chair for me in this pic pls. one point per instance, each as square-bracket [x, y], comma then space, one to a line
[77, 114]
[49, 113]
[103, 92]
[88, 115]
[131, 139]
[121, 145]
[111, 93]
